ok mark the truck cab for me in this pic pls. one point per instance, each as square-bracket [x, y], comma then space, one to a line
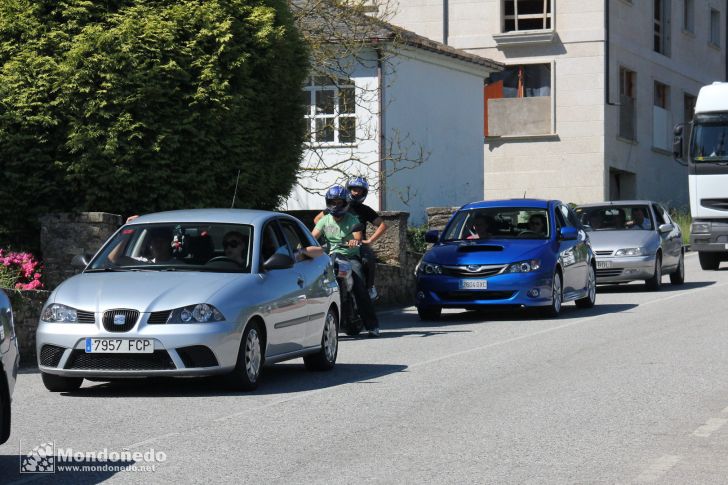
[707, 161]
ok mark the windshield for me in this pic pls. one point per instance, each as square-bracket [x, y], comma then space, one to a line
[499, 222]
[177, 247]
[709, 142]
[615, 217]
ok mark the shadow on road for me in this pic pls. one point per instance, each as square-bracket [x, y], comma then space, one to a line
[77, 473]
[640, 288]
[407, 318]
[278, 379]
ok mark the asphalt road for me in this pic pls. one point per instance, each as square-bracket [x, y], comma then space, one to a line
[631, 391]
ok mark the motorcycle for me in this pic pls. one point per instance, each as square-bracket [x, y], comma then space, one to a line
[351, 322]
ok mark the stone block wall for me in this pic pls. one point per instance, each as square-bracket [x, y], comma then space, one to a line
[27, 305]
[65, 235]
[437, 217]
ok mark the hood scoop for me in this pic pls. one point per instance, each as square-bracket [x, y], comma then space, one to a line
[479, 248]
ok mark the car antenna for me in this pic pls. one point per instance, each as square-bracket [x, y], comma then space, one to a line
[524, 194]
[235, 193]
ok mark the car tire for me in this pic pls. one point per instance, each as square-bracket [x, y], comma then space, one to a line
[655, 283]
[325, 358]
[709, 261]
[56, 383]
[429, 313]
[246, 374]
[557, 290]
[678, 276]
[591, 298]
[5, 411]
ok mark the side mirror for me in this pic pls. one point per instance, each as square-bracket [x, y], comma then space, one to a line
[677, 142]
[568, 233]
[79, 261]
[432, 236]
[278, 261]
[665, 228]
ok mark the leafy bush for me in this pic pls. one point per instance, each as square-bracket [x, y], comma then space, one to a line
[132, 106]
[684, 220]
[416, 238]
[20, 271]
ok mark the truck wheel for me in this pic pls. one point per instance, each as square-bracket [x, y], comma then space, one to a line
[709, 261]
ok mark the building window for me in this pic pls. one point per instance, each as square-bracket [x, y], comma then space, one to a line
[627, 102]
[521, 15]
[688, 16]
[661, 23]
[688, 112]
[331, 115]
[518, 101]
[661, 122]
[715, 27]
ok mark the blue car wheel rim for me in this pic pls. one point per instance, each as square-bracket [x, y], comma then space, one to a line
[556, 293]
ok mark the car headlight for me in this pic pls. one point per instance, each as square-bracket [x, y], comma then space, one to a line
[700, 228]
[524, 266]
[57, 313]
[428, 268]
[200, 313]
[631, 252]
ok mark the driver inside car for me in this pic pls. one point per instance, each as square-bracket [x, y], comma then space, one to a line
[235, 245]
[537, 224]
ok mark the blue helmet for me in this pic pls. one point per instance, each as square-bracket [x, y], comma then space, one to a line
[337, 192]
[360, 182]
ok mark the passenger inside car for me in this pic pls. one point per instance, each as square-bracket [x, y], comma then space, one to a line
[480, 228]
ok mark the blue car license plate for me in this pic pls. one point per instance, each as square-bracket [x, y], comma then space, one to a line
[119, 345]
[473, 284]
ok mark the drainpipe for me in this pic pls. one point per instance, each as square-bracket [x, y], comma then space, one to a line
[382, 139]
[606, 56]
[726, 38]
[445, 21]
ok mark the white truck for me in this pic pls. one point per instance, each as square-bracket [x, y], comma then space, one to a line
[707, 161]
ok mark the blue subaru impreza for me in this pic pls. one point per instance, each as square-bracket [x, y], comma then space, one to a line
[518, 252]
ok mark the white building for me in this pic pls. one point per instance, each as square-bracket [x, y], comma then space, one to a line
[407, 115]
[585, 108]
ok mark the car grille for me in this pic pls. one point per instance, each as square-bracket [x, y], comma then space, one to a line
[157, 318]
[50, 355]
[197, 356]
[85, 317]
[604, 253]
[159, 360]
[475, 295]
[480, 270]
[130, 318]
[607, 273]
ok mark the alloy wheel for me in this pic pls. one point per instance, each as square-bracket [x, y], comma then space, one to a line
[252, 355]
[331, 341]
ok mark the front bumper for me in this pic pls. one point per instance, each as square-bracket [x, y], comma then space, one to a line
[502, 290]
[714, 241]
[624, 269]
[179, 350]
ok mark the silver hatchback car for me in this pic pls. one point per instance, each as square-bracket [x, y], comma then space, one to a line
[634, 240]
[191, 293]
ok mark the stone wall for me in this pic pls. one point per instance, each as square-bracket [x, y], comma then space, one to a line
[437, 217]
[65, 235]
[27, 305]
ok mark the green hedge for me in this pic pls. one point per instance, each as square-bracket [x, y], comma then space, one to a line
[136, 106]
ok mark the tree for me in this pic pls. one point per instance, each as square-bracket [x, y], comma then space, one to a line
[344, 35]
[135, 106]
